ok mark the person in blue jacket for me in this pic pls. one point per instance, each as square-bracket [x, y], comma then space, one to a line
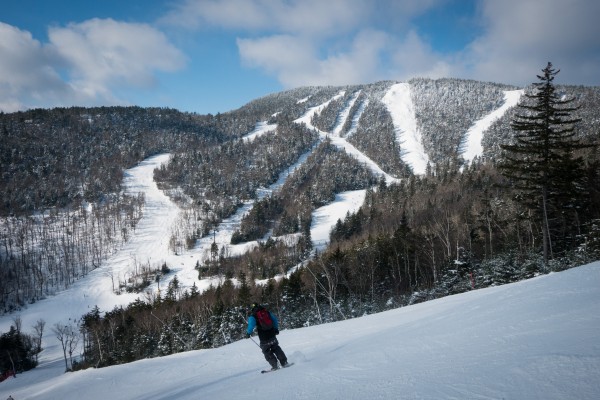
[268, 342]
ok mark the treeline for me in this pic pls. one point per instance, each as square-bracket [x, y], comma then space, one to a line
[288, 105]
[361, 117]
[235, 169]
[413, 234]
[185, 320]
[47, 252]
[376, 137]
[328, 119]
[587, 100]
[18, 350]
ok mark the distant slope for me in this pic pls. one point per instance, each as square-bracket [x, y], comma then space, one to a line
[400, 105]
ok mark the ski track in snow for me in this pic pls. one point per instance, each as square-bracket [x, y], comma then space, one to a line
[474, 135]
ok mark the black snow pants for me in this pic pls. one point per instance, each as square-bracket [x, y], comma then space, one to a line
[273, 352]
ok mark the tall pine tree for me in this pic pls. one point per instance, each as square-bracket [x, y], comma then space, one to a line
[541, 162]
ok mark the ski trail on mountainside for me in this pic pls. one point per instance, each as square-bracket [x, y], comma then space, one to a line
[343, 115]
[183, 265]
[260, 129]
[356, 118]
[321, 225]
[151, 239]
[472, 142]
[342, 143]
[399, 103]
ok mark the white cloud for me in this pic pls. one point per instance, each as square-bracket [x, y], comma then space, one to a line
[518, 38]
[82, 64]
[285, 56]
[295, 60]
[413, 57]
[102, 53]
[305, 17]
[316, 42]
[26, 70]
[522, 35]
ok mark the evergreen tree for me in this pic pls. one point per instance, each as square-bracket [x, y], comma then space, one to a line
[540, 162]
[244, 293]
[17, 351]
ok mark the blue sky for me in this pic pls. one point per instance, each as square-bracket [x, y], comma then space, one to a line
[209, 56]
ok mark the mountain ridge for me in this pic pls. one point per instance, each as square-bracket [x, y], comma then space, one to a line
[212, 173]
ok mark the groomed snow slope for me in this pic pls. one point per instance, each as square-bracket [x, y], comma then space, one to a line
[472, 143]
[536, 339]
[399, 103]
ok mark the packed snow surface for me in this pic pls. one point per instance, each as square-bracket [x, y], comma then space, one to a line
[536, 339]
[324, 218]
[472, 146]
[402, 110]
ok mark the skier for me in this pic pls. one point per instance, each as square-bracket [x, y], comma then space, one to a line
[267, 327]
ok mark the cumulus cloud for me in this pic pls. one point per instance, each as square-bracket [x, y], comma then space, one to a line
[305, 42]
[300, 41]
[371, 55]
[102, 53]
[315, 42]
[296, 60]
[520, 36]
[26, 70]
[82, 64]
[413, 57]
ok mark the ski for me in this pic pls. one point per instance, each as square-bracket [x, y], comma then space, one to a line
[264, 371]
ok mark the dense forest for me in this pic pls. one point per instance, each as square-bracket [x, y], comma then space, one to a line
[458, 227]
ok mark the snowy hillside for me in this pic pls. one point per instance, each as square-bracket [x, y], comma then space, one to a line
[535, 339]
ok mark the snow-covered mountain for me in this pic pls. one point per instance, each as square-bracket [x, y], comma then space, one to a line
[536, 339]
[386, 128]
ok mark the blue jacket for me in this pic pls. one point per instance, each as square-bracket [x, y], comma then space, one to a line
[252, 325]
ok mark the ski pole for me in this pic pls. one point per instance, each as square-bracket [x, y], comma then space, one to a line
[250, 337]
